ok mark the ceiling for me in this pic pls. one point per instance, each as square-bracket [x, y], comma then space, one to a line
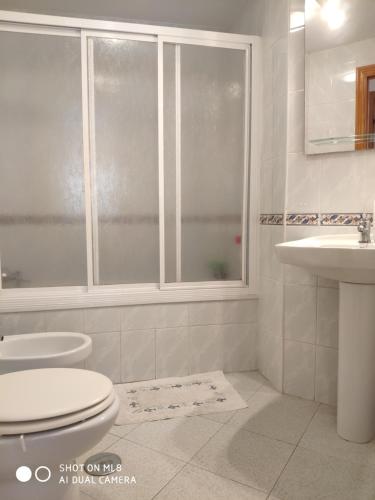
[358, 24]
[220, 15]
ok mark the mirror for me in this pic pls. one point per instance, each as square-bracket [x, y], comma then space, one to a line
[340, 75]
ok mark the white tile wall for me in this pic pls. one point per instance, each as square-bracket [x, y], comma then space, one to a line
[137, 355]
[201, 313]
[300, 313]
[299, 369]
[327, 317]
[139, 317]
[172, 352]
[238, 344]
[206, 352]
[338, 182]
[270, 357]
[28, 322]
[303, 182]
[326, 375]
[273, 179]
[106, 355]
[64, 321]
[106, 319]
[144, 342]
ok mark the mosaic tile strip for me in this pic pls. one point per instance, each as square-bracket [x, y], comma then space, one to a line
[302, 219]
[272, 219]
[313, 219]
[347, 219]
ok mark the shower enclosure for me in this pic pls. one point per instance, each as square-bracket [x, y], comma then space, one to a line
[127, 159]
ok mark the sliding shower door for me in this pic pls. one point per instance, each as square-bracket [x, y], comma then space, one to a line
[205, 110]
[42, 205]
[123, 110]
[123, 159]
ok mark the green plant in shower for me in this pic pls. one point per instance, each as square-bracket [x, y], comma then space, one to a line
[219, 269]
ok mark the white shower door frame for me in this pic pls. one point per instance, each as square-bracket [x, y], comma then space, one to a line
[178, 41]
[94, 295]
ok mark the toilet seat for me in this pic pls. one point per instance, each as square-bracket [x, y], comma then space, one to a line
[50, 398]
[7, 429]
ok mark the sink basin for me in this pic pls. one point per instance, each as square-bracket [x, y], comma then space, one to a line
[338, 257]
[43, 350]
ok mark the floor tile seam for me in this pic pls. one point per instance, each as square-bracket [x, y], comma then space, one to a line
[341, 457]
[282, 471]
[309, 423]
[257, 433]
[206, 469]
[125, 438]
[116, 435]
[246, 401]
[206, 443]
[170, 480]
[295, 448]
[85, 493]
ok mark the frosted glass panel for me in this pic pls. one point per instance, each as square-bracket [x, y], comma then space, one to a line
[212, 161]
[42, 225]
[126, 158]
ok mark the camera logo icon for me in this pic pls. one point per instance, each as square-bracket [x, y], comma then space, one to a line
[42, 474]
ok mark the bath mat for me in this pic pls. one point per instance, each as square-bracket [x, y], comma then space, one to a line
[176, 397]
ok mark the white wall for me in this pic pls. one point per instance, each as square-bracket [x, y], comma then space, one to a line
[273, 174]
[298, 311]
[154, 341]
[218, 15]
[324, 183]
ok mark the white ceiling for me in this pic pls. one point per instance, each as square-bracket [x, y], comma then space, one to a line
[359, 24]
[221, 15]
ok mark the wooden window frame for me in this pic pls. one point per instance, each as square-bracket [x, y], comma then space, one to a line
[363, 75]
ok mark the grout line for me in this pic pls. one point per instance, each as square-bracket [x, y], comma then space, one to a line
[227, 478]
[316, 338]
[213, 435]
[170, 480]
[293, 452]
[126, 438]
[81, 491]
[121, 437]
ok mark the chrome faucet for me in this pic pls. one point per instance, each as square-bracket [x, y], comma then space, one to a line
[364, 228]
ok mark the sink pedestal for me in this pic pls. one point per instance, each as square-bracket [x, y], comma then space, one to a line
[356, 373]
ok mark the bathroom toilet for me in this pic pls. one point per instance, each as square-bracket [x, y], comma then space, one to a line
[48, 418]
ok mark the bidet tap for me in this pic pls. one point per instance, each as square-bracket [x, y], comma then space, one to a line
[364, 228]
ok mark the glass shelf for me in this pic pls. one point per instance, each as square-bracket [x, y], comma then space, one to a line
[350, 139]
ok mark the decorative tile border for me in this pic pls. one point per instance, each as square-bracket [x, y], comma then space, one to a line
[348, 219]
[272, 219]
[302, 219]
[314, 219]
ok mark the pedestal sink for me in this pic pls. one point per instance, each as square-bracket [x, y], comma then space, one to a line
[342, 258]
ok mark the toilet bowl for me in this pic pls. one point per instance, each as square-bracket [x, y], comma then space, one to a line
[48, 418]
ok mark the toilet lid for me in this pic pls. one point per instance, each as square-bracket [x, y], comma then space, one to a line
[50, 424]
[35, 395]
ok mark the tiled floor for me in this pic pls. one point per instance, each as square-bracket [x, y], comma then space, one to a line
[280, 448]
